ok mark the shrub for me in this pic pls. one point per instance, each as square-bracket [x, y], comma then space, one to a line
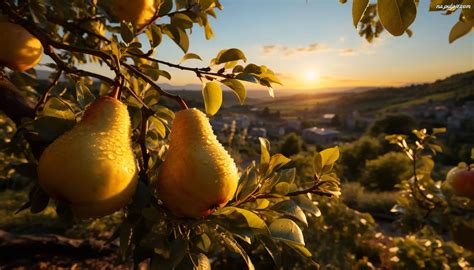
[392, 124]
[292, 145]
[386, 171]
[356, 197]
[354, 156]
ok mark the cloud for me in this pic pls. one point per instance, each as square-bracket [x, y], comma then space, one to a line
[294, 51]
[348, 52]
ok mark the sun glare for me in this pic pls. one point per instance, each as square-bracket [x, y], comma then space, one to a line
[311, 75]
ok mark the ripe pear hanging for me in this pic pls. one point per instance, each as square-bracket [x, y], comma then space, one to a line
[137, 12]
[198, 175]
[19, 50]
[92, 166]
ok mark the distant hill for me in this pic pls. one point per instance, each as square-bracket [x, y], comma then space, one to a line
[454, 87]
[376, 99]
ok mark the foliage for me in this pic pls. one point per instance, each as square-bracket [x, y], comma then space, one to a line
[426, 202]
[356, 197]
[392, 124]
[397, 16]
[355, 155]
[427, 250]
[341, 236]
[386, 171]
[292, 145]
[270, 210]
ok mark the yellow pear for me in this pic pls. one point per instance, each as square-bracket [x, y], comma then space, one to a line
[198, 175]
[92, 166]
[137, 12]
[19, 50]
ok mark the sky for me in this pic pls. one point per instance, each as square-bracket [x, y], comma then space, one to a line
[312, 44]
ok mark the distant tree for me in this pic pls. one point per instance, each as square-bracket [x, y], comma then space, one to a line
[292, 145]
[354, 156]
[265, 112]
[392, 124]
[386, 171]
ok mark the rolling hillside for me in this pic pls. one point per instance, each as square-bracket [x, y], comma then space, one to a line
[454, 87]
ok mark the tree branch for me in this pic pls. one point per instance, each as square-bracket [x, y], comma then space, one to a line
[177, 98]
[13, 104]
[198, 71]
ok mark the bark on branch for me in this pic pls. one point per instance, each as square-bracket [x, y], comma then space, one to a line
[13, 104]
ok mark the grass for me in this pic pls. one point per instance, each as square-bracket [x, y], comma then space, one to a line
[287, 105]
[356, 197]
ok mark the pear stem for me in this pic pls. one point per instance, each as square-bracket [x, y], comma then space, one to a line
[119, 82]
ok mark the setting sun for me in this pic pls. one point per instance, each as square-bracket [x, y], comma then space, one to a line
[311, 75]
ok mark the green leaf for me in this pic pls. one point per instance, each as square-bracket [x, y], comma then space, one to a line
[286, 229]
[233, 246]
[264, 154]
[282, 188]
[50, 128]
[460, 29]
[126, 32]
[125, 238]
[206, 4]
[209, 33]
[299, 248]
[164, 73]
[269, 76]
[330, 155]
[358, 9]
[246, 77]
[435, 148]
[277, 161]
[190, 56]
[396, 15]
[230, 55]
[252, 68]
[307, 205]
[472, 153]
[212, 94]
[252, 221]
[247, 184]
[283, 178]
[203, 242]
[178, 35]
[165, 7]
[39, 200]
[237, 87]
[324, 160]
[153, 32]
[84, 95]
[290, 209]
[157, 125]
[58, 108]
[181, 20]
[468, 13]
[272, 249]
[439, 130]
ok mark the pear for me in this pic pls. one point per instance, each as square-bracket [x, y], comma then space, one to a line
[137, 12]
[92, 166]
[19, 50]
[198, 175]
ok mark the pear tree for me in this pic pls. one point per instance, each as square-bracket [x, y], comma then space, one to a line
[259, 208]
